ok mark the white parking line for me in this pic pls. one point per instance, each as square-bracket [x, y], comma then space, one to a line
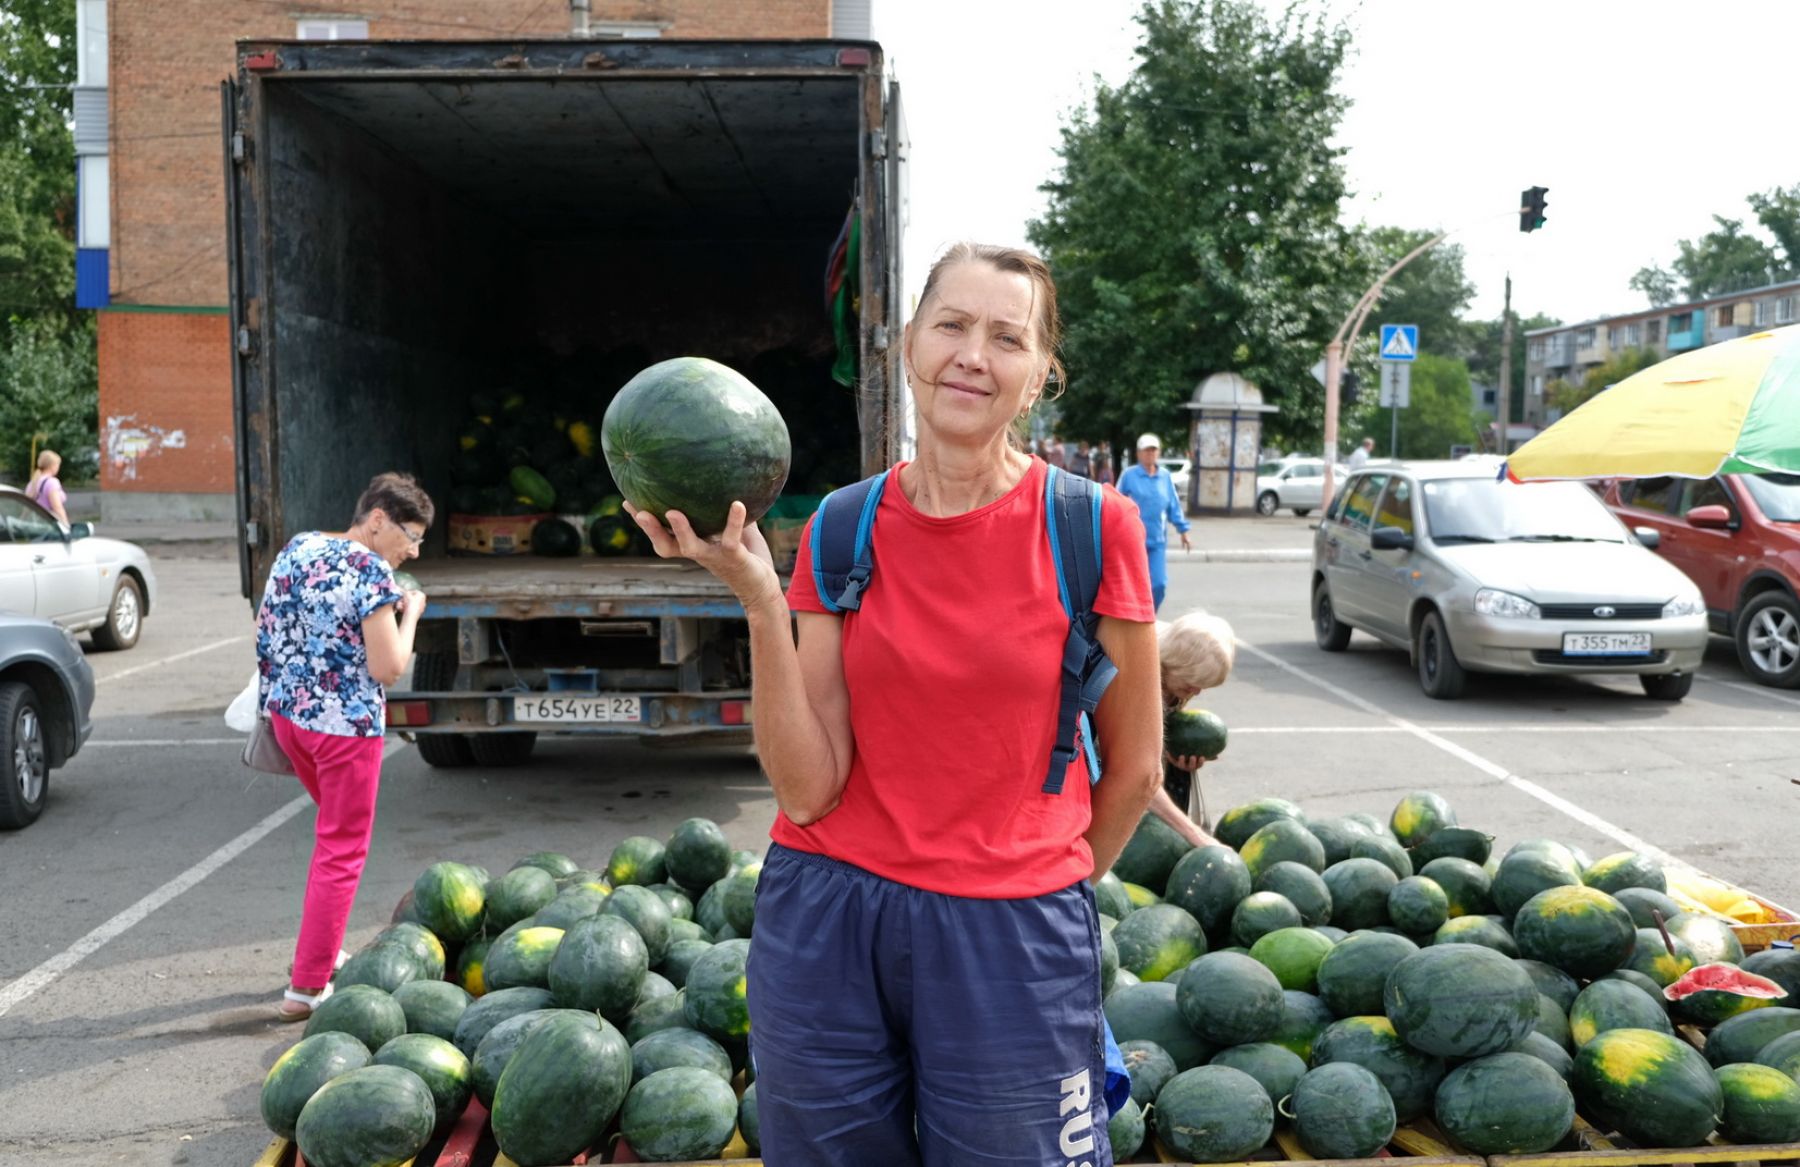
[169, 660]
[1503, 727]
[46, 974]
[1492, 769]
[169, 741]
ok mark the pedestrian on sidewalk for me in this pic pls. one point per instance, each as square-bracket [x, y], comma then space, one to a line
[1081, 462]
[46, 489]
[1150, 486]
[1196, 651]
[924, 974]
[333, 630]
[1362, 453]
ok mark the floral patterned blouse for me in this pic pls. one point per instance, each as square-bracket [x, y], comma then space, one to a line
[313, 664]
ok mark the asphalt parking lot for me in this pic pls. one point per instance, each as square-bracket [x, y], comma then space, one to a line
[151, 910]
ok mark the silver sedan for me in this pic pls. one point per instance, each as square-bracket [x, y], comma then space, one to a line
[1472, 574]
[81, 582]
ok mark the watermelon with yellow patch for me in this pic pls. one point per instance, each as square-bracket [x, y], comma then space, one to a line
[1614, 873]
[1581, 930]
[1651, 1087]
[1653, 958]
[1762, 1105]
[1420, 815]
[450, 899]
[1610, 1004]
[715, 997]
[1159, 941]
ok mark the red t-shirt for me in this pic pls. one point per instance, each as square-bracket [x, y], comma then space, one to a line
[954, 668]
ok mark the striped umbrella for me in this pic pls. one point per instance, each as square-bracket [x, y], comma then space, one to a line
[1728, 408]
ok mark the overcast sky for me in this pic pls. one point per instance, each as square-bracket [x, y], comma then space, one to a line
[1643, 118]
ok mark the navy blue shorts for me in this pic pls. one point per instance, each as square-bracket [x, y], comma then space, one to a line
[893, 1026]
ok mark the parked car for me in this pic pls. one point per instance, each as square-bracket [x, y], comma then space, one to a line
[1738, 538]
[81, 581]
[1178, 470]
[1298, 485]
[46, 696]
[1470, 573]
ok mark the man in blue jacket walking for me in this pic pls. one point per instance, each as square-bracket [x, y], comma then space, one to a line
[1149, 485]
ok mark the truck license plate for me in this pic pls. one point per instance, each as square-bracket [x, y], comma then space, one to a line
[596, 707]
[1606, 644]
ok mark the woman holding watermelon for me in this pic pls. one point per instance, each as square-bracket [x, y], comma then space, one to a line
[925, 970]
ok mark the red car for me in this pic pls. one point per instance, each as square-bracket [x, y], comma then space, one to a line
[1737, 536]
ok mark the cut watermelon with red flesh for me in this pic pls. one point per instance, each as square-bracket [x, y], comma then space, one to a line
[1724, 978]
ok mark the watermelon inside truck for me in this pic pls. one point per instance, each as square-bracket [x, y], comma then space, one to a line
[445, 257]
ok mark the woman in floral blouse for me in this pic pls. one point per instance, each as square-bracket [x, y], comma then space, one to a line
[333, 630]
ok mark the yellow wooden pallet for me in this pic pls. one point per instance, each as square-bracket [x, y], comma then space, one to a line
[1418, 1144]
[1595, 1148]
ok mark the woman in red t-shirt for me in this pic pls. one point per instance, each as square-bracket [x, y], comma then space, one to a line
[924, 973]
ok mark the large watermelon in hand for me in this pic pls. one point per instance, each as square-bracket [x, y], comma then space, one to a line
[694, 436]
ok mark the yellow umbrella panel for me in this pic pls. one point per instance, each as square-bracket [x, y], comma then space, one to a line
[1728, 408]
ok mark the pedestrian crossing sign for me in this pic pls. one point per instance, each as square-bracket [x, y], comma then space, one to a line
[1399, 342]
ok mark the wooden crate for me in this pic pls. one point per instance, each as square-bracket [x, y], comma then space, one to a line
[1591, 1147]
[1419, 1143]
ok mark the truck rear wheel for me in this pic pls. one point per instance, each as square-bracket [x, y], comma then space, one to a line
[435, 672]
[502, 749]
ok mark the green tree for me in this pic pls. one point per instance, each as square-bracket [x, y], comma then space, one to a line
[1724, 260]
[37, 163]
[1778, 211]
[1484, 363]
[1433, 291]
[1567, 395]
[1194, 225]
[1439, 415]
[48, 397]
[1658, 285]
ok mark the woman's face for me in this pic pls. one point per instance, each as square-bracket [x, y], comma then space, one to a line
[1147, 458]
[972, 354]
[396, 542]
[1174, 699]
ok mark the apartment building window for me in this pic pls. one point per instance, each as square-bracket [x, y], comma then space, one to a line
[1534, 352]
[1724, 315]
[1784, 310]
[1681, 322]
[1537, 385]
[1625, 336]
[1653, 332]
[1761, 319]
[333, 30]
[1584, 338]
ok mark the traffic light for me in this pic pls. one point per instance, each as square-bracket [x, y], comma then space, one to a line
[1531, 208]
[1348, 387]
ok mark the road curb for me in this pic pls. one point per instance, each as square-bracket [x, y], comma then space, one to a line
[1250, 555]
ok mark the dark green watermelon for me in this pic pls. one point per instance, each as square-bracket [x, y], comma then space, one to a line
[681, 1113]
[555, 538]
[1152, 1012]
[1505, 1104]
[1409, 1076]
[681, 957]
[1652, 1088]
[645, 911]
[1149, 1066]
[432, 1007]
[1301, 886]
[679, 1047]
[1240, 822]
[502, 1042]
[1615, 873]
[1453, 842]
[1780, 963]
[1545, 1049]
[1645, 905]
[697, 855]
[715, 994]
[1359, 892]
[1609, 1004]
[1229, 999]
[1282, 841]
[561, 1089]
[1581, 930]
[383, 966]
[1486, 931]
[694, 436]
[571, 905]
[750, 1121]
[1124, 1131]
[657, 1013]
[599, 966]
[1460, 1000]
[366, 1013]
[1552, 982]
[440, 1065]
[299, 1072]
[1208, 883]
[1353, 973]
[488, 1011]
[1276, 1068]
[1260, 913]
[1553, 1022]
[1741, 1038]
[1418, 906]
[1523, 874]
[1466, 885]
[1303, 1018]
[1341, 1111]
[416, 939]
[1384, 851]
[516, 895]
[521, 955]
[377, 1114]
[1158, 942]
[1213, 1114]
[1194, 733]
[740, 898]
[1150, 854]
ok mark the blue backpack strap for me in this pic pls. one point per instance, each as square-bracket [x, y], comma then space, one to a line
[843, 552]
[1072, 506]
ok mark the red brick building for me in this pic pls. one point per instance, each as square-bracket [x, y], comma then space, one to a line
[152, 252]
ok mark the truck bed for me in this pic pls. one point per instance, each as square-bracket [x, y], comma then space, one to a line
[528, 587]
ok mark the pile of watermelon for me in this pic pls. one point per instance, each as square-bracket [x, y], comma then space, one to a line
[573, 1002]
[1342, 976]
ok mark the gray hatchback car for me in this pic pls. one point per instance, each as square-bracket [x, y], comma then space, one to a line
[1469, 573]
[46, 697]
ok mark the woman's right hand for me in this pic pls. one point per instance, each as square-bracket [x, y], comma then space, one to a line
[1190, 763]
[738, 556]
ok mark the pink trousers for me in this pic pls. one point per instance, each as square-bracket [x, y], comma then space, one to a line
[343, 775]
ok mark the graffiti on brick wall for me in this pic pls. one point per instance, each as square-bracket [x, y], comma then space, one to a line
[128, 441]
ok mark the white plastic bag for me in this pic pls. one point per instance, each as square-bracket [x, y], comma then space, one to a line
[241, 714]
